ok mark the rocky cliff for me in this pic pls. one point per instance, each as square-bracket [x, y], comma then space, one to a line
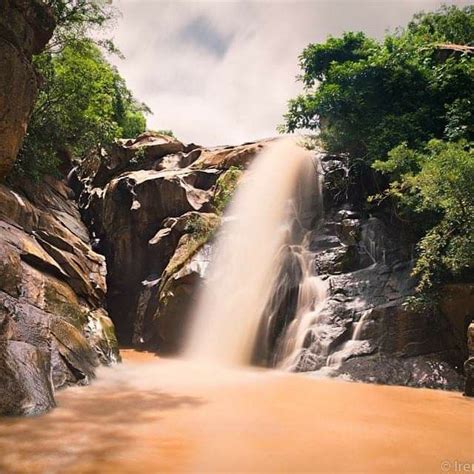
[25, 28]
[365, 330]
[132, 231]
[54, 331]
[152, 205]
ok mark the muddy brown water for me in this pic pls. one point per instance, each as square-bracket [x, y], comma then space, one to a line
[152, 415]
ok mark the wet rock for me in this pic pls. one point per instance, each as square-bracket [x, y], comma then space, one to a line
[25, 384]
[469, 364]
[457, 306]
[100, 334]
[281, 307]
[364, 330]
[309, 361]
[429, 371]
[134, 209]
[165, 302]
[337, 260]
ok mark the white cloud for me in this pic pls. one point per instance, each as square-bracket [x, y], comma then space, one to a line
[221, 72]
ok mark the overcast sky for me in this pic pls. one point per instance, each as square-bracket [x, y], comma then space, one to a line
[221, 72]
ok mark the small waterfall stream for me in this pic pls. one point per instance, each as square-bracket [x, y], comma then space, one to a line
[311, 296]
[350, 347]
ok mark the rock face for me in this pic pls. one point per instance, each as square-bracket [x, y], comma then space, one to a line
[469, 364]
[150, 205]
[364, 330]
[54, 331]
[25, 28]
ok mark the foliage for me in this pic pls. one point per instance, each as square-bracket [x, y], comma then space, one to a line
[83, 103]
[77, 19]
[139, 155]
[439, 181]
[225, 188]
[403, 107]
[168, 133]
[310, 142]
[200, 228]
[366, 97]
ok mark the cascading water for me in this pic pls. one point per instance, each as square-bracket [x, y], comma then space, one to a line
[311, 296]
[350, 347]
[276, 200]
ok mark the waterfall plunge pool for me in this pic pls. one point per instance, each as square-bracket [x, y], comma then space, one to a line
[151, 415]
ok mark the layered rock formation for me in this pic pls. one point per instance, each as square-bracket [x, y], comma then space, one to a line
[150, 204]
[25, 28]
[54, 331]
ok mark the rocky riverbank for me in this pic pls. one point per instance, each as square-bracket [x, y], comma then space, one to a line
[139, 244]
[54, 330]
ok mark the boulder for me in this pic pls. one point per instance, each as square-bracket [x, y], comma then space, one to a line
[25, 383]
[469, 364]
[364, 329]
[146, 152]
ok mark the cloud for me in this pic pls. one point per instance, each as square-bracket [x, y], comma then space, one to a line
[221, 72]
[200, 31]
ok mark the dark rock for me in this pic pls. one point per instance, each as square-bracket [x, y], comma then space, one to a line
[364, 330]
[469, 364]
[25, 383]
[429, 371]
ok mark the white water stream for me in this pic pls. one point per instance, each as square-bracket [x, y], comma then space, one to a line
[270, 209]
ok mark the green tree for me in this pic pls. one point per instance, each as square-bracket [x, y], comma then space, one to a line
[79, 19]
[365, 97]
[438, 184]
[404, 108]
[84, 103]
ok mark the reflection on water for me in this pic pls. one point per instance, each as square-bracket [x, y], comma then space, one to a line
[154, 415]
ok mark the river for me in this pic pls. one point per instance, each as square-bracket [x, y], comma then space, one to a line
[152, 415]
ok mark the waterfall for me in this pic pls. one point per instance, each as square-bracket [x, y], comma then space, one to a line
[311, 296]
[277, 200]
[351, 347]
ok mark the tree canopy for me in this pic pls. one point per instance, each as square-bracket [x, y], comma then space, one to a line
[404, 107]
[365, 97]
[83, 103]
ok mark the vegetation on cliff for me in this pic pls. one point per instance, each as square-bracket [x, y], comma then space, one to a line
[225, 187]
[435, 184]
[83, 103]
[403, 107]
